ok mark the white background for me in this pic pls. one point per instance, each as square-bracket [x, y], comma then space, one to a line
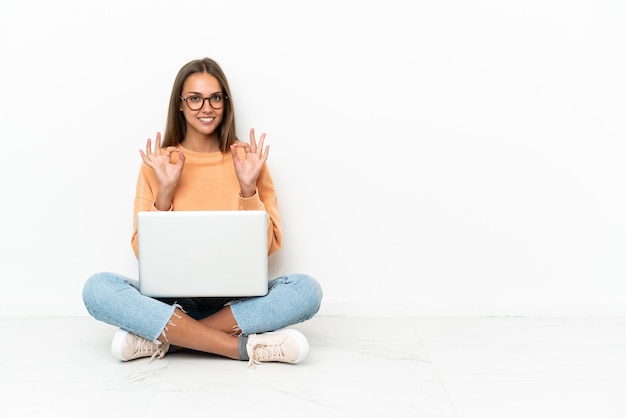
[431, 158]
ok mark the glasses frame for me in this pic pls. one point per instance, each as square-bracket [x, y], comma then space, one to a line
[224, 99]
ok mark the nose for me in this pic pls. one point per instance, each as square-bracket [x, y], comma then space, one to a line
[206, 104]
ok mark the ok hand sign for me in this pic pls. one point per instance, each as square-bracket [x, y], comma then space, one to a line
[249, 167]
[167, 173]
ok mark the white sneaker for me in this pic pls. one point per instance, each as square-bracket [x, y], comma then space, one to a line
[285, 346]
[127, 346]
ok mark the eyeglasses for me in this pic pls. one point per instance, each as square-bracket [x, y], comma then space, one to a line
[216, 101]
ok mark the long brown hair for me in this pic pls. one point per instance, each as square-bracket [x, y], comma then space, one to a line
[175, 126]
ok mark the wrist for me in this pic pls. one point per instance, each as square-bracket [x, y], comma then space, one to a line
[162, 208]
[246, 194]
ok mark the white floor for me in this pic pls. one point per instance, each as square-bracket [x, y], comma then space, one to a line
[358, 367]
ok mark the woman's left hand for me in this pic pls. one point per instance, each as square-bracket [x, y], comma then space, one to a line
[249, 167]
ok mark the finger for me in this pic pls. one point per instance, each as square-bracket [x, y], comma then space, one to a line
[148, 147]
[181, 157]
[169, 151]
[252, 140]
[261, 142]
[246, 147]
[266, 154]
[233, 151]
[146, 158]
[157, 144]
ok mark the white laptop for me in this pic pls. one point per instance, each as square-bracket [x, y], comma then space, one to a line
[203, 253]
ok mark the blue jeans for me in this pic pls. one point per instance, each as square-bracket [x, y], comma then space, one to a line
[115, 299]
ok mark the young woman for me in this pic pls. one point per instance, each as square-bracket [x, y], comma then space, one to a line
[201, 165]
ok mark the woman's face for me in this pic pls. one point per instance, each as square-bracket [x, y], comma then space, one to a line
[202, 92]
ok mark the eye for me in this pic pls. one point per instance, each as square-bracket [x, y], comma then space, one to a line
[194, 99]
[216, 98]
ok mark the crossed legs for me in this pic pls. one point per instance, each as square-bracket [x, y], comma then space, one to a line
[213, 334]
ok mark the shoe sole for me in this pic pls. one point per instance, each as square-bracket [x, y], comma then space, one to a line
[116, 345]
[302, 342]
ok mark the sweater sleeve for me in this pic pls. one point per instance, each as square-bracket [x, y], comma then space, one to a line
[144, 200]
[265, 199]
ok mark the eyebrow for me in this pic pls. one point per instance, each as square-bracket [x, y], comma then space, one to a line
[197, 93]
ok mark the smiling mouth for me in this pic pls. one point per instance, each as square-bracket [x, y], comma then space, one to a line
[206, 120]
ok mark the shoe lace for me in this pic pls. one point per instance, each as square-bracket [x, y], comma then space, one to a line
[158, 352]
[147, 346]
[265, 352]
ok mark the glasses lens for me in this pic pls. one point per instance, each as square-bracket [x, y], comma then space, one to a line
[197, 102]
[194, 102]
[216, 101]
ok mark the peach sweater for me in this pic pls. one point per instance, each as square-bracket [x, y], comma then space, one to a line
[208, 182]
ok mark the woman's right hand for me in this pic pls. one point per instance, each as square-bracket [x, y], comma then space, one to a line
[167, 173]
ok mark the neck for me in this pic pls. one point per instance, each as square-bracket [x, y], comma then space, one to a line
[201, 143]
